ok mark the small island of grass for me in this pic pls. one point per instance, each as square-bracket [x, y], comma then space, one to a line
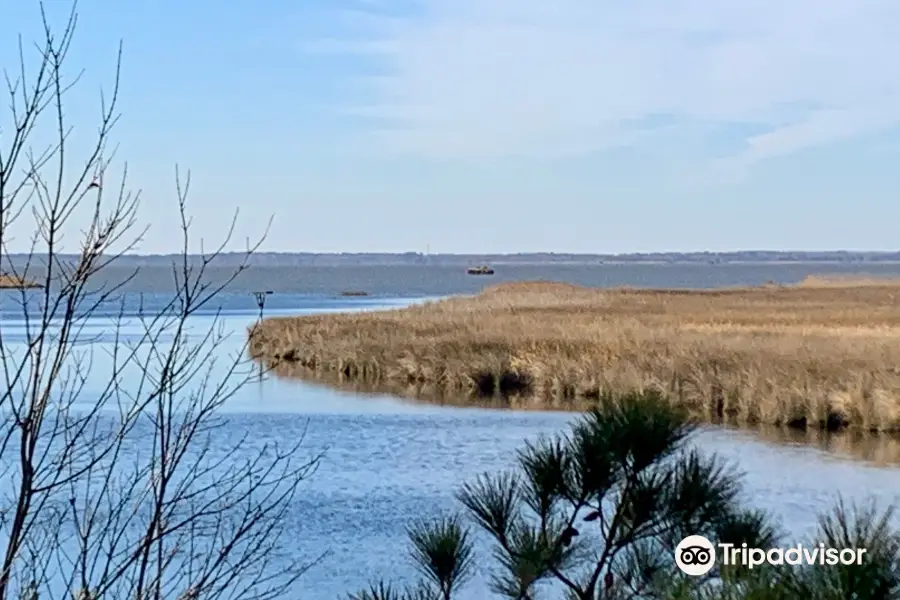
[13, 282]
[821, 354]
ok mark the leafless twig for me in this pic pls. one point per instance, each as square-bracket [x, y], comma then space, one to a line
[127, 491]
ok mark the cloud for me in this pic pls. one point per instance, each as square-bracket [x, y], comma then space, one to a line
[495, 78]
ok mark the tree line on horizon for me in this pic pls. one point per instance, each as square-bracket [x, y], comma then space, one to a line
[326, 259]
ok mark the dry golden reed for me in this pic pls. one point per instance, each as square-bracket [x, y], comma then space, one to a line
[12, 282]
[819, 354]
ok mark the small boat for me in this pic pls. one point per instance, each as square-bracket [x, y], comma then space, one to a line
[480, 270]
[354, 293]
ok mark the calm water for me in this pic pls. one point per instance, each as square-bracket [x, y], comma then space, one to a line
[387, 459]
[407, 281]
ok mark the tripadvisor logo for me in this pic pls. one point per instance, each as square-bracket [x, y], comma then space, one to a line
[695, 555]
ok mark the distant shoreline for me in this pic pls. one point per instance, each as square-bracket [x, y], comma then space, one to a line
[304, 259]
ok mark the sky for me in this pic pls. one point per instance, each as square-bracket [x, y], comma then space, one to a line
[492, 125]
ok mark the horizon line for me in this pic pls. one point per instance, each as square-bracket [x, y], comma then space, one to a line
[522, 253]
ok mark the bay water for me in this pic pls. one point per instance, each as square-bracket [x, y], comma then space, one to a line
[387, 460]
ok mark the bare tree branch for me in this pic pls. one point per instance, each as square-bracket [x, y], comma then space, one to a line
[133, 490]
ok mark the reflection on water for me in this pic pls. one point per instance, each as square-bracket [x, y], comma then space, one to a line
[414, 393]
[877, 449]
[880, 449]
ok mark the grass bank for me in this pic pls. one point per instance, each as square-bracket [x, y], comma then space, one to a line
[821, 354]
[12, 282]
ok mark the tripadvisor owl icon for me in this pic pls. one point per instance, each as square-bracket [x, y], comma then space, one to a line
[695, 555]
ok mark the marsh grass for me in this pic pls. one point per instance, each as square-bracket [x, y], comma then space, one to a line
[819, 354]
[13, 282]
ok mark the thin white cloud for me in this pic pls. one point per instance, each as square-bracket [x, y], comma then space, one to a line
[488, 78]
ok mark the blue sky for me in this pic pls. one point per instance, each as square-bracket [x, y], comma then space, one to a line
[500, 125]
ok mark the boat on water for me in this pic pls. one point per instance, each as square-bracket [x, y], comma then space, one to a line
[480, 270]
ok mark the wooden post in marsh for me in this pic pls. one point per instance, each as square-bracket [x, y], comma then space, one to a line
[261, 303]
